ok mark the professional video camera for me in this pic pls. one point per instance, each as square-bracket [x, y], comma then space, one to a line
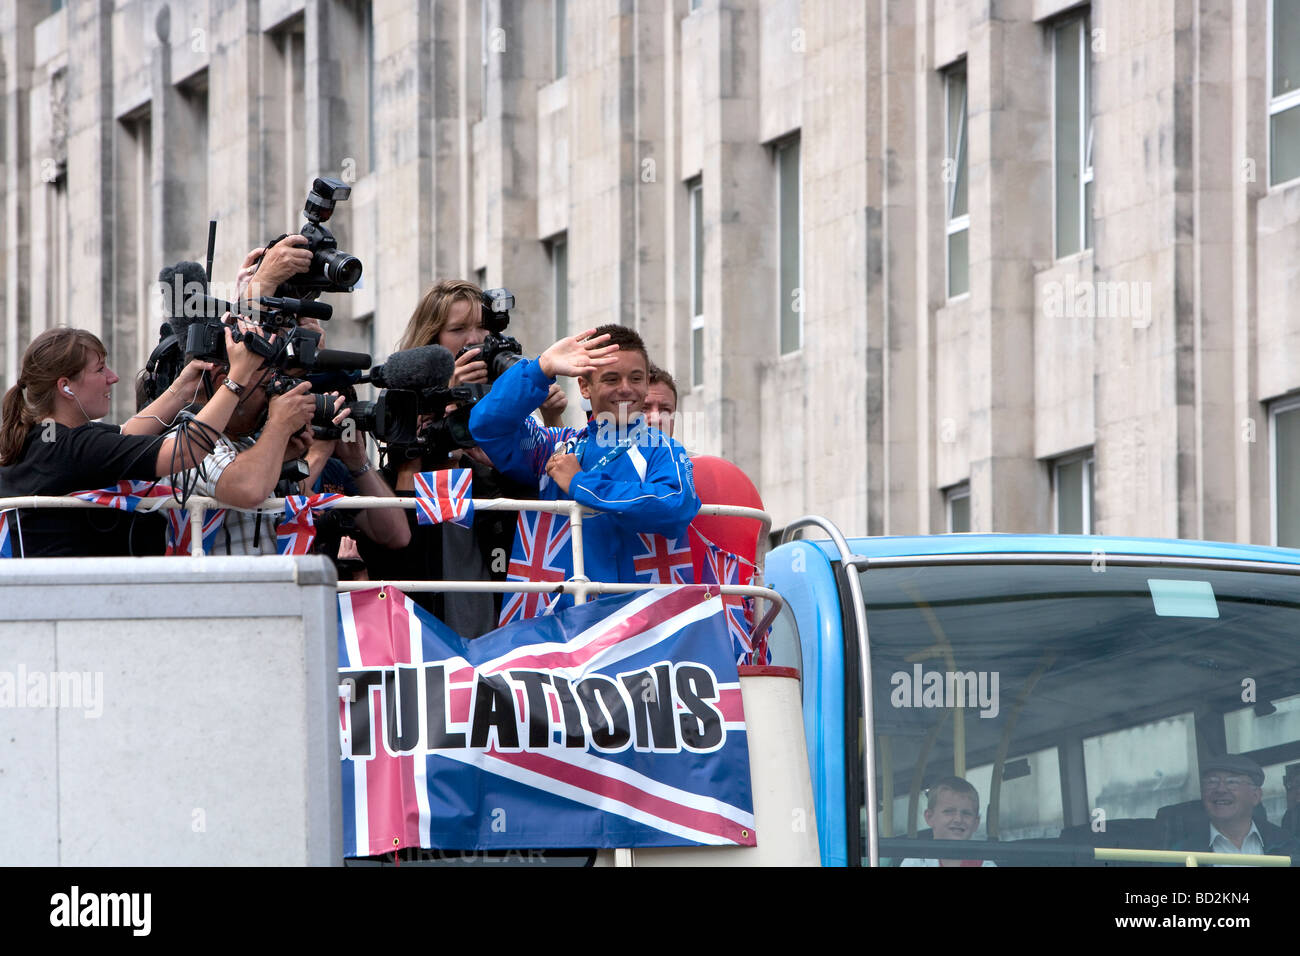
[497, 350]
[278, 339]
[414, 384]
[332, 270]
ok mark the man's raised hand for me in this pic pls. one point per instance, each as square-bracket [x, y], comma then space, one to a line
[577, 355]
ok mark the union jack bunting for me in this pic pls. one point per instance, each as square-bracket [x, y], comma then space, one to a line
[723, 567]
[543, 552]
[445, 496]
[615, 723]
[6, 541]
[663, 561]
[295, 534]
[127, 495]
[178, 530]
[130, 495]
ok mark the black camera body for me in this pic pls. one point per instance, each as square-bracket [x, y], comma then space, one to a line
[497, 350]
[332, 269]
[293, 347]
[322, 418]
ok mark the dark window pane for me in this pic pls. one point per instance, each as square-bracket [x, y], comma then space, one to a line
[1287, 477]
[1284, 146]
[791, 297]
[1068, 213]
[1286, 46]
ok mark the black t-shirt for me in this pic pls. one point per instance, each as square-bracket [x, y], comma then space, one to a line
[422, 559]
[89, 456]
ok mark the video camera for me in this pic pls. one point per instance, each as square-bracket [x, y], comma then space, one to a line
[414, 384]
[278, 339]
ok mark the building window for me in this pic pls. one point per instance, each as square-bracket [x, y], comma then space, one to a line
[559, 250]
[133, 245]
[368, 26]
[1073, 136]
[1284, 442]
[1072, 493]
[958, 502]
[789, 228]
[696, 192]
[284, 126]
[954, 177]
[1284, 92]
[560, 26]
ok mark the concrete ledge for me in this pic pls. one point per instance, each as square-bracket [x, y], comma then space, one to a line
[169, 711]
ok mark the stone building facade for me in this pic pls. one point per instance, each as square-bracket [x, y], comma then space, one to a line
[1007, 265]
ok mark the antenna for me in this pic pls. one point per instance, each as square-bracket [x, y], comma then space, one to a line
[212, 247]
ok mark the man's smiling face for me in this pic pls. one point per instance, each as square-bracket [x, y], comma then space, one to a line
[1229, 797]
[618, 389]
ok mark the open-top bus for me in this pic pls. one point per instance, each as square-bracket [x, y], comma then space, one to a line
[1077, 682]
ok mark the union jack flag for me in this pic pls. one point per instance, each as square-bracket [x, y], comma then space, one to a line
[723, 567]
[663, 561]
[443, 738]
[178, 530]
[6, 542]
[131, 495]
[126, 495]
[542, 552]
[445, 496]
[295, 534]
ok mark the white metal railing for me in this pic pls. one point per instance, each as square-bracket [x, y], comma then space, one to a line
[579, 586]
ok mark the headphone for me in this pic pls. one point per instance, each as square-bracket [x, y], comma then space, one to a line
[68, 391]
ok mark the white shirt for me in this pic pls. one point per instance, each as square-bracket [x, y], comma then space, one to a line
[242, 526]
[1253, 844]
[912, 861]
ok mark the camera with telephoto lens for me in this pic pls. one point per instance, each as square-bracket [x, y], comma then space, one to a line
[497, 351]
[332, 269]
[322, 418]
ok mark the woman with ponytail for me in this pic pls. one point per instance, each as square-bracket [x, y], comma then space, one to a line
[51, 443]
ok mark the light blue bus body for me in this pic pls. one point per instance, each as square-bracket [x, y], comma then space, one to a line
[809, 576]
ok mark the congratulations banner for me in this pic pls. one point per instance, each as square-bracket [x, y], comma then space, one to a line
[616, 723]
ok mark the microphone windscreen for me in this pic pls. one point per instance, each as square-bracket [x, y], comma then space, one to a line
[328, 360]
[429, 366]
[184, 287]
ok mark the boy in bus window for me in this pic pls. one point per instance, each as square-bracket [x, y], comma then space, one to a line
[953, 813]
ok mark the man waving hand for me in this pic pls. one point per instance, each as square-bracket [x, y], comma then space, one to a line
[637, 477]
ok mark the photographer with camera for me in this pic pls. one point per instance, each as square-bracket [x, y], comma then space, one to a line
[638, 478]
[51, 443]
[342, 466]
[451, 315]
[271, 424]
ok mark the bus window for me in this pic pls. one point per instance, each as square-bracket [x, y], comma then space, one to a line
[1132, 773]
[1029, 797]
[784, 641]
[1057, 689]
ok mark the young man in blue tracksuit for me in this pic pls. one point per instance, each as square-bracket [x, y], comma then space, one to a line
[639, 478]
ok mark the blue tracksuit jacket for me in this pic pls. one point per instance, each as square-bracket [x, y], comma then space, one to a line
[644, 485]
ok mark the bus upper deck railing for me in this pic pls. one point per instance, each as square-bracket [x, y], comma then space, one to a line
[579, 586]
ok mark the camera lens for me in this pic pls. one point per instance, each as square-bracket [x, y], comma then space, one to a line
[340, 268]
